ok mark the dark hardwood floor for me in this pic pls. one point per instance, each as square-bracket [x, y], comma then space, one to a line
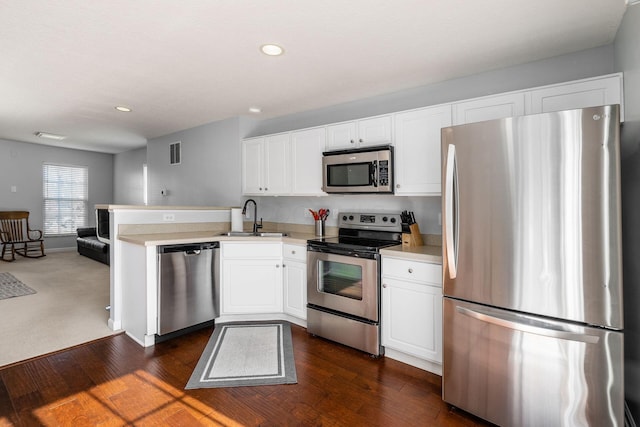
[115, 382]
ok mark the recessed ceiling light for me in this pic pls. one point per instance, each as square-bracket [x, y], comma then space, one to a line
[271, 49]
[123, 109]
[255, 110]
[50, 135]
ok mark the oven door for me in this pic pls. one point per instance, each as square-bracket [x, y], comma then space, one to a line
[346, 284]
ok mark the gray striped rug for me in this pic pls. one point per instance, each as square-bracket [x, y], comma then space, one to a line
[11, 287]
[246, 354]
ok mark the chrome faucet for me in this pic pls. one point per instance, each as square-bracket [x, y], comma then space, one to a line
[256, 226]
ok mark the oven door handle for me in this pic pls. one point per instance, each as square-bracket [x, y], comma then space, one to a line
[343, 252]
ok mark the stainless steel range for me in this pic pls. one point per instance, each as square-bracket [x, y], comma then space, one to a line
[343, 284]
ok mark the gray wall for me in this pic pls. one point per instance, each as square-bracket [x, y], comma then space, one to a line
[627, 59]
[209, 173]
[21, 165]
[128, 181]
[587, 63]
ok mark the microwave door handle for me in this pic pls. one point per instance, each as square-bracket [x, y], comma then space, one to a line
[373, 172]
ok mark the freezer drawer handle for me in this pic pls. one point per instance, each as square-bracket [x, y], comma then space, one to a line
[523, 327]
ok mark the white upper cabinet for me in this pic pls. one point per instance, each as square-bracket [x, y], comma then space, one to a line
[306, 162]
[359, 134]
[489, 108]
[265, 165]
[593, 92]
[417, 150]
[283, 164]
[276, 168]
[252, 166]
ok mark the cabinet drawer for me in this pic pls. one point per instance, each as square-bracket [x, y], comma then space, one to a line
[251, 250]
[412, 270]
[295, 252]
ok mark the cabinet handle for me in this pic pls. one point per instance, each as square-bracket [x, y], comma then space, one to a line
[277, 265]
[361, 140]
[397, 185]
[284, 265]
[265, 188]
[384, 285]
[410, 270]
[260, 188]
[352, 141]
[293, 252]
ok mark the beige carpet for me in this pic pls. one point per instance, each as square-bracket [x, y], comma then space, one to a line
[68, 308]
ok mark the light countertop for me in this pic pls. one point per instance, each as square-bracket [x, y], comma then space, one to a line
[427, 253]
[162, 208]
[158, 239]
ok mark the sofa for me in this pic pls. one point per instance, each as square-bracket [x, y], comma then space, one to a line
[90, 246]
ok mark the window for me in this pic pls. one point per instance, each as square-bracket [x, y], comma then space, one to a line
[65, 190]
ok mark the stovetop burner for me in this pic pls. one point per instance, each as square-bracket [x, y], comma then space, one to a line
[364, 232]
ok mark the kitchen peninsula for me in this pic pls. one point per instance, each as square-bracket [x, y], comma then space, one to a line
[132, 265]
[137, 231]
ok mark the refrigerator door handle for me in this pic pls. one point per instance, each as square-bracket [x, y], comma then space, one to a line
[512, 322]
[449, 211]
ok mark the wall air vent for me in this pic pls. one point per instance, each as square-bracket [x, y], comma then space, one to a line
[175, 154]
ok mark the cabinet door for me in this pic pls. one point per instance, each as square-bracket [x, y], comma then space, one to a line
[251, 286]
[374, 131]
[588, 93]
[489, 108]
[341, 136]
[252, 166]
[277, 164]
[417, 150]
[306, 162]
[295, 288]
[412, 318]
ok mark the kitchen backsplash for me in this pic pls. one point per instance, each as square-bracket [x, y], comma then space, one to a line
[294, 210]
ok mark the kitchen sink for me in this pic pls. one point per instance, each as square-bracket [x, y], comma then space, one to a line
[252, 234]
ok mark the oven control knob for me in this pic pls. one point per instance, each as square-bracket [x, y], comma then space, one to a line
[350, 217]
[393, 220]
[344, 217]
[385, 219]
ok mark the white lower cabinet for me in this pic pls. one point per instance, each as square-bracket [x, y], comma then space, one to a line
[412, 308]
[295, 280]
[251, 278]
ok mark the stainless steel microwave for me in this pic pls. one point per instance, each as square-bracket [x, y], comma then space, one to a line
[366, 170]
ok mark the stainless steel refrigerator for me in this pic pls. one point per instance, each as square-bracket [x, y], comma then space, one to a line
[532, 321]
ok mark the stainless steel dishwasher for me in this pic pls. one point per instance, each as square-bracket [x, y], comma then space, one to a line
[188, 288]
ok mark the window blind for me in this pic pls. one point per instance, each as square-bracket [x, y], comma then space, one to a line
[65, 191]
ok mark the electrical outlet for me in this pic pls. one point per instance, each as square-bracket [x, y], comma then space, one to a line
[440, 219]
[168, 217]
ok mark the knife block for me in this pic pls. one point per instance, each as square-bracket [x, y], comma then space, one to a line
[413, 238]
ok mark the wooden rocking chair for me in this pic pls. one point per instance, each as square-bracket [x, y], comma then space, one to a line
[18, 238]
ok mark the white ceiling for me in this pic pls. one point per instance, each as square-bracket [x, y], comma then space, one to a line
[65, 65]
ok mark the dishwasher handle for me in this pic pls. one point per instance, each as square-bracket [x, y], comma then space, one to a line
[188, 248]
